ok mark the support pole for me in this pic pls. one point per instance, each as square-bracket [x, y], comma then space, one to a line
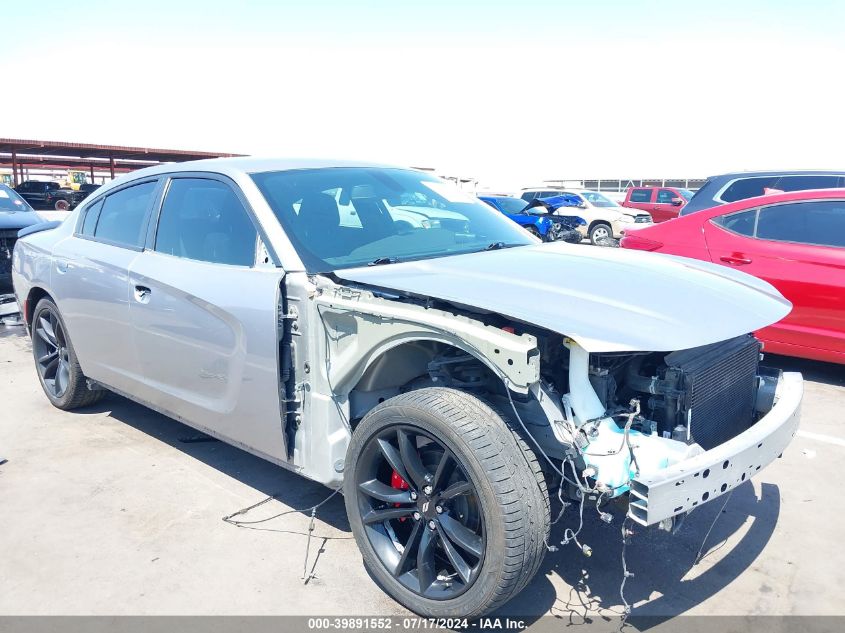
[14, 169]
[111, 166]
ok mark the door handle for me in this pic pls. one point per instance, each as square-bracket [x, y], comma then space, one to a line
[735, 260]
[142, 294]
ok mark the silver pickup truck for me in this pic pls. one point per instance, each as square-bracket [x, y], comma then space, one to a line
[449, 377]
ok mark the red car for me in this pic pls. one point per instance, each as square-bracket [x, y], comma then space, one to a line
[663, 203]
[795, 241]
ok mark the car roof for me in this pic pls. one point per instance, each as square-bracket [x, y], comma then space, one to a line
[253, 165]
[774, 198]
[780, 172]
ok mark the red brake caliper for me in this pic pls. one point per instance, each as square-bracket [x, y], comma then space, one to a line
[397, 482]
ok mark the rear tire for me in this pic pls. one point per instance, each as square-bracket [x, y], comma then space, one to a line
[61, 205]
[61, 377]
[486, 544]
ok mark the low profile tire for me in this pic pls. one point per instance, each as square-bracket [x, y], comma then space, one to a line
[447, 504]
[55, 361]
[61, 205]
[599, 232]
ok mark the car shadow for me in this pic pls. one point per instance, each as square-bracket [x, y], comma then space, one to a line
[290, 489]
[667, 581]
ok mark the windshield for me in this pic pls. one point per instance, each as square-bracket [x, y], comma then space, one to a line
[511, 205]
[11, 201]
[597, 200]
[352, 216]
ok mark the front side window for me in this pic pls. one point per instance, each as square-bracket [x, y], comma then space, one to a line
[204, 220]
[123, 216]
[741, 223]
[640, 195]
[11, 201]
[820, 223]
[665, 196]
[598, 200]
[509, 205]
[404, 215]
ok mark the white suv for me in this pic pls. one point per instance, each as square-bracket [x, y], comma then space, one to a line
[605, 218]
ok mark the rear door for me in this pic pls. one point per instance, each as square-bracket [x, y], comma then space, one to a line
[799, 248]
[205, 315]
[90, 282]
[664, 208]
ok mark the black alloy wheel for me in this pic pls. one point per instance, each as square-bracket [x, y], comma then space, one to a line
[427, 532]
[58, 368]
[447, 503]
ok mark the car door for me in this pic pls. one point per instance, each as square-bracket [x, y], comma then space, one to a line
[205, 316]
[640, 198]
[90, 282]
[664, 208]
[799, 248]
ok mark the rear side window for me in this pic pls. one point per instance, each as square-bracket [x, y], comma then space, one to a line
[122, 217]
[745, 188]
[204, 220]
[818, 223]
[91, 217]
[640, 195]
[741, 223]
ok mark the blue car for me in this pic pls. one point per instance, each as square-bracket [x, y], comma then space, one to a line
[537, 219]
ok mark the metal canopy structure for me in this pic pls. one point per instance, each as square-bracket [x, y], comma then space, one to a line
[17, 153]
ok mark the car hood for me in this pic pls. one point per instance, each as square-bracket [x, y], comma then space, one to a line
[606, 299]
[17, 219]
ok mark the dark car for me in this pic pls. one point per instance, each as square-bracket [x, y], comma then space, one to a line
[742, 185]
[15, 214]
[49, 195]
[87, 189]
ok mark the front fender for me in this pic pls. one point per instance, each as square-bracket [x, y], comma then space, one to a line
[360, 327]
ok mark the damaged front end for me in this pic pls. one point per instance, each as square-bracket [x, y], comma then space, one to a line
[674, 430]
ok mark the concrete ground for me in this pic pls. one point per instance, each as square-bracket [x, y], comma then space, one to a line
[110, 510]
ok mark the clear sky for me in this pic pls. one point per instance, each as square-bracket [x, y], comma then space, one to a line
[509, 92]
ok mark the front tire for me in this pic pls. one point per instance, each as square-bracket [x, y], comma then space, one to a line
[600, 233]
[447, 504]
[58, 368]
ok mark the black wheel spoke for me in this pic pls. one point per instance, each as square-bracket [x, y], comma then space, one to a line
[444, 470]
[393, 458]
[430, 538]
[379, 516]
[410, 551]
[411, 459]
[461, 535]
[51, 367]
[62, 377]
[456, 489]
[426, 570]
[45, 335]
[49, 356]
[376, 489]
[454, 556]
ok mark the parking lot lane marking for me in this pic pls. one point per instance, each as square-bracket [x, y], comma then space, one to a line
[819, 437]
